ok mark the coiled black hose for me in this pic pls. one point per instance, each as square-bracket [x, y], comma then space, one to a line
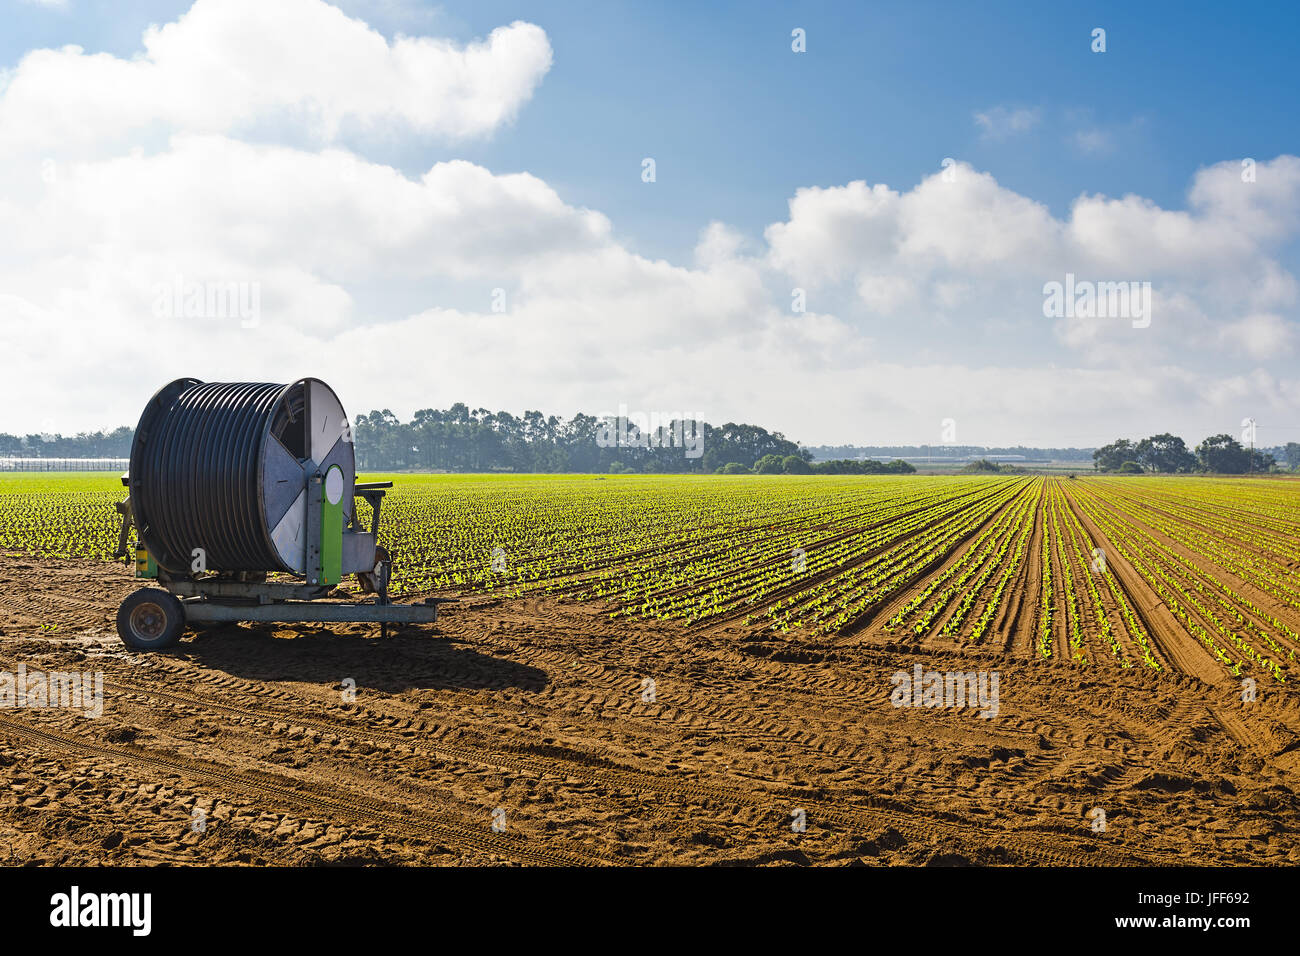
[196, 480]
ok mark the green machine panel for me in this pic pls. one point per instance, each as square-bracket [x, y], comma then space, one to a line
[331, 525]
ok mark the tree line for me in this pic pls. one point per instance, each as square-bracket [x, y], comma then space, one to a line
[461, 439]
[1169, 454]
[112, 444]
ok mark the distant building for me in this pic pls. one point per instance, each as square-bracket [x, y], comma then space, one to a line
[64, 464]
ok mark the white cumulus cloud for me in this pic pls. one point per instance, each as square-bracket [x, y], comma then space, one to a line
[123, 177]
[228, 64]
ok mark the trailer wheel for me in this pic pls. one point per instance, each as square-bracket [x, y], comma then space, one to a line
[150, 619]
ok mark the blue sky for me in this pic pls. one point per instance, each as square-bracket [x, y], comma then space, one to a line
[738, 124]
[885, 92]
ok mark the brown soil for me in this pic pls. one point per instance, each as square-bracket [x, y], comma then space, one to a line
[536, 707]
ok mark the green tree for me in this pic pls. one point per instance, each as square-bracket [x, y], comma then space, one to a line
[1164, 453]
[1261, 461]
[1110, 457]
[1223, 455]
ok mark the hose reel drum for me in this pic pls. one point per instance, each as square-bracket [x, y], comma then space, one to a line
[248, 477]
[233, 481]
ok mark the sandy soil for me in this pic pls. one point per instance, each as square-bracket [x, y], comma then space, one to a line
[541, 710]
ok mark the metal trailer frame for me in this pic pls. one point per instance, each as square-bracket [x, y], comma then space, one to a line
[232, 597]
[203, 611]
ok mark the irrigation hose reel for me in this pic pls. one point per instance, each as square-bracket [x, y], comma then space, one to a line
[231, 482]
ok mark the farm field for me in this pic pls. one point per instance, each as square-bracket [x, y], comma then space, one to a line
[1198, 575]
[652, 669]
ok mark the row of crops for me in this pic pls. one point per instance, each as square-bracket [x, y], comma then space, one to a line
[1224, 562]
[1024, 562]
[784, 553]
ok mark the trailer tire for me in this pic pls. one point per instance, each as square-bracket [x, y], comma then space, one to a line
[150, 619]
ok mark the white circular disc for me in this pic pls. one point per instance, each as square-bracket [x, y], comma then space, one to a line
[334, 485]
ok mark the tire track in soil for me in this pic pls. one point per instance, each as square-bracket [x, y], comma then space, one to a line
[695, 711]
[304, 795]
[692, 712]
[764, 804]
[573, 765]
[47, 607]
[745, 726]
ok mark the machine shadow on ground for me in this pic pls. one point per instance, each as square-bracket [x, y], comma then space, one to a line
[410, 659]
